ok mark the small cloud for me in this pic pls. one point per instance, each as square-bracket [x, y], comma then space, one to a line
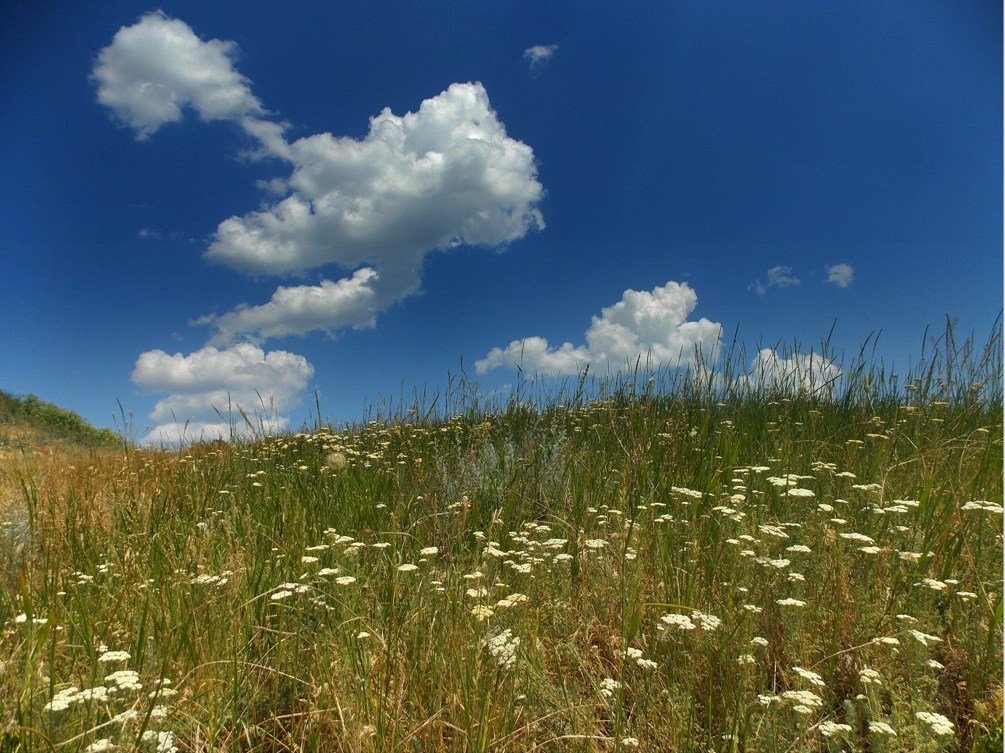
[539, 54]
[778, 277]
[841, 275]
[651, 324]
[149, 234]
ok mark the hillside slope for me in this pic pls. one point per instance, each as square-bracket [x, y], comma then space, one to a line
[28, 422]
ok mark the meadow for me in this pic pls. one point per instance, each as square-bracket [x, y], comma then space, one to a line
[669, 561]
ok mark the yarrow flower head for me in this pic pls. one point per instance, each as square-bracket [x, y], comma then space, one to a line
[804, 698]
[707, 622]
[937, 723]
[810, 676]
[112, 656]
[678, 621]
[790, 602]
[833, 729]
[503, 647]
[882, 728]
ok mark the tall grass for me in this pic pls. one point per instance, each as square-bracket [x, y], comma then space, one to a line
[734, 557]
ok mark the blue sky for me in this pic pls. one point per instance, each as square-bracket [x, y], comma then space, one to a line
[649, 178]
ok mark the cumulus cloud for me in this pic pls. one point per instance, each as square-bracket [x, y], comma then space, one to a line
[211, 381]
[442, 176]
[841, 275]
[652, 325]
[777, 277]
[539, 54]
[797, 373]
[156, 68]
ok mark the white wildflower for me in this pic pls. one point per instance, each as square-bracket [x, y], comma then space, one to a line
[831, 729]
[799, 492]
[804, 697]
[111, 656]
[810, 676]
[503, 647]
[608, 687]
[882, 728]
[679, 621]
[937, 723]
[482, 611]
[857, 537]
[125, 679]
[924, 638]
[869, 676]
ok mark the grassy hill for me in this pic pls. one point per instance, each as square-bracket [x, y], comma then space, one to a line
[662, 568]
[28, 422]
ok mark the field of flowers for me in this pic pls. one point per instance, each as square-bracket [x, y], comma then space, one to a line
[659, 568]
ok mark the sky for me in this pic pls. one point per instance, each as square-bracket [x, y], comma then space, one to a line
[238, 203]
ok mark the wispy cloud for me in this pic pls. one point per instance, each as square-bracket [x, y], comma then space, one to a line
[841, 275]
[777, 277]
[539, 54]
[651, 324]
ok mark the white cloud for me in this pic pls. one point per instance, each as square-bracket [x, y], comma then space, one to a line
[651, 324]
[157, 67]
[797, 373]
[329, 306]
[539, 54]
[178, 433]
[440, 177]
[841, 275]
[778, 277]
[533, 354]
[211, 381]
